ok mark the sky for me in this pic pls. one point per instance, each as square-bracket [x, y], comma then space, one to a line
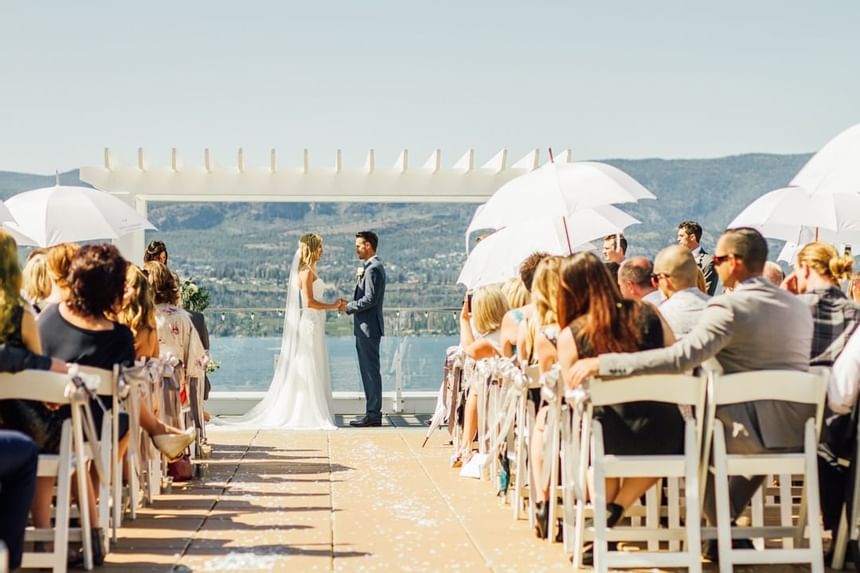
[606, 79]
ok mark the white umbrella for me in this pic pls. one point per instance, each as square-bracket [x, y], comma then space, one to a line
[557, 189]
[498, 257]
[836, 166]
[63, 214]
[794, 214]
[5, 215]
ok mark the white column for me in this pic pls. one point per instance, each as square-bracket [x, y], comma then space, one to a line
[133, 245]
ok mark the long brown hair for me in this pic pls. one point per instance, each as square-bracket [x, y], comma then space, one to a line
[588, 298]
[10, 284]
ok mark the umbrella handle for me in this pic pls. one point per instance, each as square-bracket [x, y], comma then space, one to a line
[567, 235]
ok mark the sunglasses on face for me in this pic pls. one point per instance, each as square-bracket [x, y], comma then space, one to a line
[720, 259]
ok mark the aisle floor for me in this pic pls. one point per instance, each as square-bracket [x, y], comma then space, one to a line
[349, 500]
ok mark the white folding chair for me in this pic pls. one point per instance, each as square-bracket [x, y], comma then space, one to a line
[106, 383]
[849, 523]
[43, 386]
[678, 389]
[779, 385]
[524, 422]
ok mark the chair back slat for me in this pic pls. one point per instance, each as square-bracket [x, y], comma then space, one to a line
[37, 385]
[678, 389]
[106, 378]
[784, 385]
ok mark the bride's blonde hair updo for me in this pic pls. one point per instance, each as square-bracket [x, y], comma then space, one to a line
[310, 245]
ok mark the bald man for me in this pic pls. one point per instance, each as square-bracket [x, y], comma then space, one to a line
[773, 272]
[634, 281]
[677, 276]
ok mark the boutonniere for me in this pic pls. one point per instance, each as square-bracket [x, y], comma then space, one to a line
[359, 273]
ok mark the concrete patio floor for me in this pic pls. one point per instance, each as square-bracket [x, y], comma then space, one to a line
[349, 500]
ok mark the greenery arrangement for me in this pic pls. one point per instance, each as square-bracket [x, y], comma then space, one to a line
[194, 297]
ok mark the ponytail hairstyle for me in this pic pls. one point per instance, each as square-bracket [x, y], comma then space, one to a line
[824, 260]
[310, 245]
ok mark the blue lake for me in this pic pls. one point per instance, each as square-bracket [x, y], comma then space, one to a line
[248, 363]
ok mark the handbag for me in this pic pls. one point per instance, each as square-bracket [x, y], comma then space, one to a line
[180, 470]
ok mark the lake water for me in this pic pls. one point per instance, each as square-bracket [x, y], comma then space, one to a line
[248, 363]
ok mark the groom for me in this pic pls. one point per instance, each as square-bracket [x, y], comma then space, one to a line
[369, 325]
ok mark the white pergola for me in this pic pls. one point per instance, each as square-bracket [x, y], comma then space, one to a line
[429, 182]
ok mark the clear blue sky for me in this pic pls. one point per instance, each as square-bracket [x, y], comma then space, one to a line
[661, 78]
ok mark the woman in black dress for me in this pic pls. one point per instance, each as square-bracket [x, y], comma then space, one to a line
[596, 319]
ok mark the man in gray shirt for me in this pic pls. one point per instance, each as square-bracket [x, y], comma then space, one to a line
[757, 327]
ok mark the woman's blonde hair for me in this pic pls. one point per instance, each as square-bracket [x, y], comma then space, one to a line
[516, 293]
[10, 284]
[139, 310]
[36, 282]
[310, 245]
[165, 285]
[544, 298]
[489, 307]
[824, 260]
[59, 262]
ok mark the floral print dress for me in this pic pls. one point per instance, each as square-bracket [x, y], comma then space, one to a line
[178, 338]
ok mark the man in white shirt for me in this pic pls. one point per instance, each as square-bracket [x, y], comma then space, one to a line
[636, 282]
[845, 377]
[689, 236]
[676, 274]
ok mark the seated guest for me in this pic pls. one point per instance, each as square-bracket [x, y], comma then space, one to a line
[36, 284]
[773, 272]
[817, 273]
[538, 340]
[77, 330]
[816, 277]
[19, 457]
[137, 312]
[757, 327]
[677, 276]
[596, 319]
[514, 317]
[614, 248]
[844, 384]
[635, 281]
[690, 236]
[488, 305]
[59, 259]
[518, 298]
[155, 251]
[176, 334]
[22, 346]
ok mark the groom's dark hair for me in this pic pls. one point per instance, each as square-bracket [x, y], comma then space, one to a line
[368, 236]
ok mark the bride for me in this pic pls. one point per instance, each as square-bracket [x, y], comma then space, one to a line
[299, 396]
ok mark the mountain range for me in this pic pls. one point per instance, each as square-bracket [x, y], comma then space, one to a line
[241, 251]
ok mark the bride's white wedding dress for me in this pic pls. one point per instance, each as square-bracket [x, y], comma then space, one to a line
[299, 396]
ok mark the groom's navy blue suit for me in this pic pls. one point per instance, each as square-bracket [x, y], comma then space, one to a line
[369, 327]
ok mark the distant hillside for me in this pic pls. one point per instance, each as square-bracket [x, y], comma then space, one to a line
[242, 251]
